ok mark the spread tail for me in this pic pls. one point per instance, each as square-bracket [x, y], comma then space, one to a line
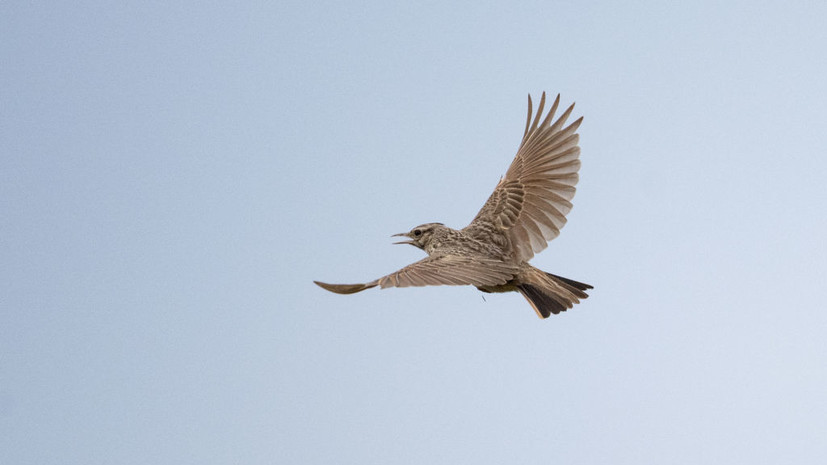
[548, 293]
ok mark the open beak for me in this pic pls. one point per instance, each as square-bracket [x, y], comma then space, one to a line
[403, 235]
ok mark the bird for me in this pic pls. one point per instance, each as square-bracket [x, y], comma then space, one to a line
[526, 210]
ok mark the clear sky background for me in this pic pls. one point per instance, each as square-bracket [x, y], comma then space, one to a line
[173, 177]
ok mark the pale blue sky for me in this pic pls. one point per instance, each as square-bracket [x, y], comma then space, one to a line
[173, 177]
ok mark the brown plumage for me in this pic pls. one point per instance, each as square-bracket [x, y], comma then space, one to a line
[526, 210]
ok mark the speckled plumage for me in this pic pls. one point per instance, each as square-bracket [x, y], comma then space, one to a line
[526, 210]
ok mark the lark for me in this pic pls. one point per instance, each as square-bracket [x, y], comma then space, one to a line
[526, 210]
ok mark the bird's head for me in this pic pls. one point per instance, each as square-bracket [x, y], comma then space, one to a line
[421, 235]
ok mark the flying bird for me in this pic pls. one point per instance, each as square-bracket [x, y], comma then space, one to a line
[526, 210]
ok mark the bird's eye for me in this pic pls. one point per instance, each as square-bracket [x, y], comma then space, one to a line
[417, 232]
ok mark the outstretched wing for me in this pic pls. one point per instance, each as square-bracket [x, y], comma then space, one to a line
[529, 205]
[445, 270]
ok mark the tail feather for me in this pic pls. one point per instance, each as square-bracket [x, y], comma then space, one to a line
[550, 294]
[573, 283]
[542, 303]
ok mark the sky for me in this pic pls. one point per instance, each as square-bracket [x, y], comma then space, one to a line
[174, 176]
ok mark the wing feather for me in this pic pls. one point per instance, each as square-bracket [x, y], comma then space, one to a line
[530, 204]
[451, 270]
